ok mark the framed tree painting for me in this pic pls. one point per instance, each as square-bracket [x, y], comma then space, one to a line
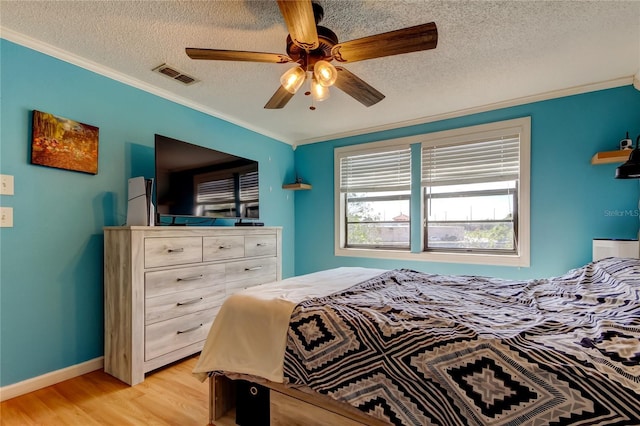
[64, 144]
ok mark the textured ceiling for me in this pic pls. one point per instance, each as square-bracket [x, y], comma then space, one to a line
[489, 53]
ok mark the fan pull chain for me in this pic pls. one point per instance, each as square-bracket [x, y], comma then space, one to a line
[307, 93]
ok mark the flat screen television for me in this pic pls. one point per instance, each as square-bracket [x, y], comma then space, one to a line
[193, 181]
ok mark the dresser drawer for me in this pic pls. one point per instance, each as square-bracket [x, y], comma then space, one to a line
[180, 303]
[172, 251]
[167, 336]
[260, 245]
[250, 272]
[157, 283]
[224, 247]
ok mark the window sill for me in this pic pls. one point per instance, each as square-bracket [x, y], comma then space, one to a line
[470, 258]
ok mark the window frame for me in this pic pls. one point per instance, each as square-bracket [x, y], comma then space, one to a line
[521, 126]
[488, 192]
[345, 196]
[340, 205]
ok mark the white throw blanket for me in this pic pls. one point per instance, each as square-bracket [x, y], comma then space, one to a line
[249, 333]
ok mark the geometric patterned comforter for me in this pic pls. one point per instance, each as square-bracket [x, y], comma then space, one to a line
[413, 348]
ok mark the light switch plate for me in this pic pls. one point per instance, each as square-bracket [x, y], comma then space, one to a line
[6, 217]
[6, 185]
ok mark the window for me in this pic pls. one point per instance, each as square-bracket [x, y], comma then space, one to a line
[471, 191]
[375, 198]
[249, 194]
[215, 196]
[224, 193]
[470, 195]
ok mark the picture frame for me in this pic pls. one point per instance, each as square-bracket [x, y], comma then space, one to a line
[63, 143]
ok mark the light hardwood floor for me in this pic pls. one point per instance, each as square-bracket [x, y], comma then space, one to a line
[169, 396]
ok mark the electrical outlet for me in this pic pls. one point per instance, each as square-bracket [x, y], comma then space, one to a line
[6, 185]
[6, 217]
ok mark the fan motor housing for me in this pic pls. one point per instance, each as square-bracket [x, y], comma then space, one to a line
[326, 38]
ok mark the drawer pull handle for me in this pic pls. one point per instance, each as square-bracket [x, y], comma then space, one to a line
[255, 268]
[224, 247]
[189, 302]
[189, 329]
[192, 278]
[178, 250]
[261, 244]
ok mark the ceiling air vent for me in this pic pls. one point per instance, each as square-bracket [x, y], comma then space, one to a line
[174, 74]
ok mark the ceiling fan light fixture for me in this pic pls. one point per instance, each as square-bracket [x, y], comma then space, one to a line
[325, 73]
[312, 47]
[292, 79]
[318, 91]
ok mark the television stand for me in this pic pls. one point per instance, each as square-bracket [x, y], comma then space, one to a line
[164, 285]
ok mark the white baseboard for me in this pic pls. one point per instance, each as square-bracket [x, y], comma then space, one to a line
[35, 383]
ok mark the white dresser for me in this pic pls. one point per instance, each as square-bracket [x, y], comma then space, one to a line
[164, 285]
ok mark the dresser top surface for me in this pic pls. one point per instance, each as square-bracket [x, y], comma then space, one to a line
[194, 227]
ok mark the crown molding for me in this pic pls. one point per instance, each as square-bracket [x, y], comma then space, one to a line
[71, 58]
[576, 90]
[63, 55]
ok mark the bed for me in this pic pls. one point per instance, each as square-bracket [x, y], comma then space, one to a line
[403, 347]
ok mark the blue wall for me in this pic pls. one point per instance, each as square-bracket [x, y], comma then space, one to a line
[51, 292]
[572, 201]
[51, 313]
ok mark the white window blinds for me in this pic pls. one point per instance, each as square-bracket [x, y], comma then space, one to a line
[249, 187]
[216, 191]
[376, 171]
[491, 160]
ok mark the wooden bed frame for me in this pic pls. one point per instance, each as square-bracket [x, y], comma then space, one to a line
[288, 406]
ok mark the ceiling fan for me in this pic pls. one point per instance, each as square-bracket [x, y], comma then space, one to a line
[313, 47]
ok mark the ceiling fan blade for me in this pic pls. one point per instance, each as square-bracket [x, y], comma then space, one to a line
[357, 88]
[406, 40]
[301, 23]
[236, 55]
[279, 99]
